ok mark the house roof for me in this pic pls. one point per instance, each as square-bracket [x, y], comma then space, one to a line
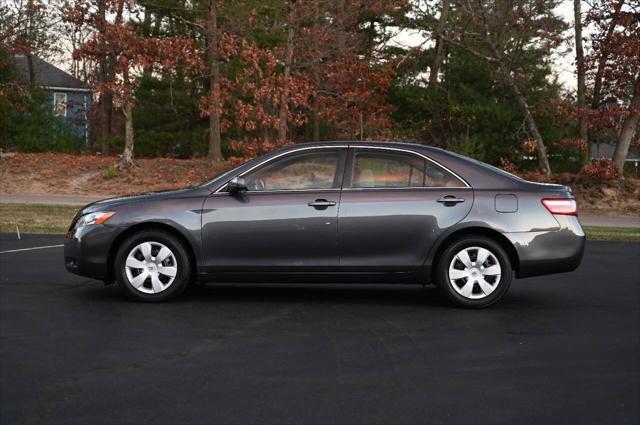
[47, 75]
[605, 150]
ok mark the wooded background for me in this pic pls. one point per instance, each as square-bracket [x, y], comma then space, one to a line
[233, 79]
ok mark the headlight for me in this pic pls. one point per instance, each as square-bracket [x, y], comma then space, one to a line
[93, 218]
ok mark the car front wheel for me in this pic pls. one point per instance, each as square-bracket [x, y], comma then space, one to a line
[474, 272]
[152, 265]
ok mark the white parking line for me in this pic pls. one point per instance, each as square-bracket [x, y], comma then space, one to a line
[30, 249]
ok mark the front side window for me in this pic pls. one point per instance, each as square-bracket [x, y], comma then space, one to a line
[60, 104]
[373, 169]
[312, 170]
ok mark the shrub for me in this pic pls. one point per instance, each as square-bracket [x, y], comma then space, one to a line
[603, 169]
[111, 172]
[508, 166]
[570, 155]
[36, 129]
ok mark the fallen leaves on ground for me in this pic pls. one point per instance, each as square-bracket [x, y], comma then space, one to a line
[66, 174]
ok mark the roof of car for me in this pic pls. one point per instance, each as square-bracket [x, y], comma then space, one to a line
[375, 143]
[361, 142]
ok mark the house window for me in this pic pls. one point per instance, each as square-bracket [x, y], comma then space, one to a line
[60, 104]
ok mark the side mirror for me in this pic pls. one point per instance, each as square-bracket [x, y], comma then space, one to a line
[236, 185]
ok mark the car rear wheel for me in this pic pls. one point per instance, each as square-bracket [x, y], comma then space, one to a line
[474, 272]
[152, 265]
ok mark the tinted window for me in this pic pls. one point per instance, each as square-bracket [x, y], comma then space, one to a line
[387, 169]
[313, 170]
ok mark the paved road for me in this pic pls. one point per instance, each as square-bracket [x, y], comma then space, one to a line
[608, 221]
[559, 349]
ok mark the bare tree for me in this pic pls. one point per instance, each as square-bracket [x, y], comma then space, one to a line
[616, 59]
[440, 43]
[580, 71]
[288, 61]
[497, 34]
[25, 28]
[603, 55]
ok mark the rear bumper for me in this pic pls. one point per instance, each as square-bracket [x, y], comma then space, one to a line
[86, 251]
[548, 252]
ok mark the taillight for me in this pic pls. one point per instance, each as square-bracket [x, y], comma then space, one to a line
[561, 206]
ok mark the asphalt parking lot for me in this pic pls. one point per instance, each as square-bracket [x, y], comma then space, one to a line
[558, 349]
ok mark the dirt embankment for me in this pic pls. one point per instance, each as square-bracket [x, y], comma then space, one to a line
[63, 174]
[608, 197]
[91, 175]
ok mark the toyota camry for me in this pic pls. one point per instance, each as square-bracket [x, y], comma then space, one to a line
[335, 212]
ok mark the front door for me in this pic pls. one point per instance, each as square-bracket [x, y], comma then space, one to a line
[394, 205]
[287, 220]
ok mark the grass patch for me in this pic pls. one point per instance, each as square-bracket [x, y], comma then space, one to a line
[612, 233]
[110, 172]
[36, 218]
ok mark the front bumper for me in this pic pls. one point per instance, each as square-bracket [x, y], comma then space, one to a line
[548, 252]
[86, 250]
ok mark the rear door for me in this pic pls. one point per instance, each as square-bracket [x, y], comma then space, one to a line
[394, 205]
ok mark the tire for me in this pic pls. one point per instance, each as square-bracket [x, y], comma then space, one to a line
[467, 283]
[140, 254]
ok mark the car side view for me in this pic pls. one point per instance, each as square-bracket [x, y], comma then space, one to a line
[335, 212]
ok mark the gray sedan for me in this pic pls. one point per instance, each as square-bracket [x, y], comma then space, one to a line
[335, 212]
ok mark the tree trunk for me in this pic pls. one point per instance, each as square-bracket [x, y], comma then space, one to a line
[31, 9]
[315, 118]
[602, 59]
[628, 130]
[146, 32]
[215, 150]
[105, 103]
[127, 155]
[580, 70]
[440, 42]
[543, 159]
[288, 60]
[106, 121]
[315, 103]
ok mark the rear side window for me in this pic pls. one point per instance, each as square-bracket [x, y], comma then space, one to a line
[379, 169]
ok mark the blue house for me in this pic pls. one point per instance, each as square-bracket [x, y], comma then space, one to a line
[69, 97]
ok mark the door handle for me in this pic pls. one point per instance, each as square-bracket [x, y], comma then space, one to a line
[450, 200]
[321, 204]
